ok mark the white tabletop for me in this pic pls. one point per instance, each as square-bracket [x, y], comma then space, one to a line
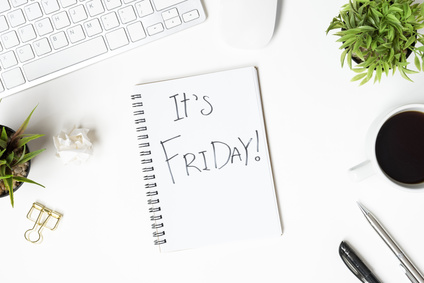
[317, 121]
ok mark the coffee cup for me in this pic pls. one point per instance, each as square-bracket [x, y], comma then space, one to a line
[395, 149]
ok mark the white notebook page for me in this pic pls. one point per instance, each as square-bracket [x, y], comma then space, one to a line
[208, 147]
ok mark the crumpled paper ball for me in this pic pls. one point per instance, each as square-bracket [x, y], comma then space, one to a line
[73, 147]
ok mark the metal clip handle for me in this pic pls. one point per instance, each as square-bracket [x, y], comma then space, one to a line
[43, 219]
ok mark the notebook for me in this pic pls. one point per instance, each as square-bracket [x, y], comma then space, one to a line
[204, 159]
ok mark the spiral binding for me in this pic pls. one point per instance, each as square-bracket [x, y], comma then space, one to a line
[148, 170]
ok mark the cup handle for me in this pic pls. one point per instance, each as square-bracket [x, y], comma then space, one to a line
[362, 171]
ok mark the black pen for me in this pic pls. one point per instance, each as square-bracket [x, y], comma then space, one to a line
[356, 265]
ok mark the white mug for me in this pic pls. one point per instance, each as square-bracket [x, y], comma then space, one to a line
[370, 166]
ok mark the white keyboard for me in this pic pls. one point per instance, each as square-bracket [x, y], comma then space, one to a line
[43, 39]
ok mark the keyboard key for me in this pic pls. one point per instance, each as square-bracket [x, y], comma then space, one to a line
[170, 14]
[191, 16]
[116, 39]
[58, 40]
[78, 13]
[61, 20]
[43, 26]
[127, 14]
[112, 4]
[136, 31]
[8, 59]
[25, 53]
[50, 6]
[3, 24]
[42, 46]
[4, 6]
[33, 11]
[65, 58]
[13, 78]
[9, 39]
[1, 87]
[27, 33]
[155, 29]
[163, 4]
[93, 27]
[16, 18]
[95, 7]
[76, 34]
[17, 3]
[143, 8]
[173, 22]
[110, 21]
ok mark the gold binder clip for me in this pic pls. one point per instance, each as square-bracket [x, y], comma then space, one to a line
[46, 218]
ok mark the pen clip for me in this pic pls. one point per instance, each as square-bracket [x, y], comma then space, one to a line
[349, 264]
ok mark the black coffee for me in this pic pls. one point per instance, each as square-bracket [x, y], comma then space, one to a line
[399, 147]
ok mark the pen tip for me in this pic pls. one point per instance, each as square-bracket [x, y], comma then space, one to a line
[363, 208]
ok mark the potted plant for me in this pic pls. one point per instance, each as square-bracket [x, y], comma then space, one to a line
[380, 35]
[15, 158]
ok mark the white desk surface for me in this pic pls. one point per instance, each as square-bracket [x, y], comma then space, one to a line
[316, 119]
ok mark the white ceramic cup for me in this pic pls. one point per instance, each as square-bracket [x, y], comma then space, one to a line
[370, 166]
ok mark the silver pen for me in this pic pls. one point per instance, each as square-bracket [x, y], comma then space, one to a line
[408, 267]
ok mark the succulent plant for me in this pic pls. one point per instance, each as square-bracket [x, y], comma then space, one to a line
[379, 34]
[14, 157]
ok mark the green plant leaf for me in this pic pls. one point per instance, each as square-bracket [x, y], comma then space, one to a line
[371, 70]
[347, 43]
[366, 28]
[409, 42]
[370, 60]
[8, 183]
[3, 138]
[359, 70]
[364, 81]
[26, 180]
[6, 177]
[356, 46]
[392, 54]
[30, 155]
[394, 9]
[404, 75]
[335, 24]
[409, 71]
[358, 77]
[417, 63]
[378, 73]
[3, 135]
[25, 140]
[368, 41]
[24, 125]
[343, 57]
[349, 59]
[345, 37]
[21, 156]
[407, 10]
[376, 13]
[386, 68]
[10, 158]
